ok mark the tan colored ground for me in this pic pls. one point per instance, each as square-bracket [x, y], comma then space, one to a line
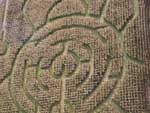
[74, 56]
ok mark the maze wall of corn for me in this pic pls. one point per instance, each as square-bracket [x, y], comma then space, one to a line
[74, 56]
